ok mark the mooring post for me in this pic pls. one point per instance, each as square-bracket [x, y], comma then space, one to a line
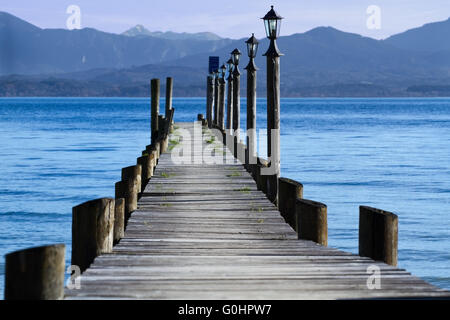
[236, 98]
[155, 87]
[311, 221]
[378, 235]
[147, 169]
[250, 155]
[261, 179]
[169, 91]
[131, 182]
[209, 99]
[290, 190]
[35, 273]
[119, 220]
[92, 231]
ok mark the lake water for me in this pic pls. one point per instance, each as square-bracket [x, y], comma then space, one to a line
[393, 154]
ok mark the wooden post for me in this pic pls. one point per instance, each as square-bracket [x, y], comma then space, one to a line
[155, 86]
[221, 124]
[236, 107]
[169, 91]
[229, 122]
[312, 221]
[261, 180]
[289, 191]
[216, 101]
[92, 231]
[209, 99]
[119, 220]
[131, 182]
[35, 273]
[273, 117]
[378, 235]
[147, 169]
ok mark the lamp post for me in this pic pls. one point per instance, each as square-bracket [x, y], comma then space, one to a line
[222, 97]
[235, 55]
[216, 98]
[252, 49]
[229, 125]
[272, 23]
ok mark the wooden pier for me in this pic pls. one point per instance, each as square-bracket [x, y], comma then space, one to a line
[200, 229]
[207, 232]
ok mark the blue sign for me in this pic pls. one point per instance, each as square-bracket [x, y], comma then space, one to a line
[213, 64]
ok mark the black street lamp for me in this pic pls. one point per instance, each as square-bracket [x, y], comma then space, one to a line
[272, 23]
[252, 49]
[235, 55]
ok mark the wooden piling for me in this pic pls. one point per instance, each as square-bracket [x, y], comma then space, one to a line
[261, 179]
[169, 91]
[229, 121]
[236, 107]
[378, 235]
[92, 231]
[147, 169]
[221, 117]
[251, 111]
[119, 220]
[216, 102]
[155, 91]
[312, 221]
[35, 273]
[209, 99]
[131, 182]
[289, 191]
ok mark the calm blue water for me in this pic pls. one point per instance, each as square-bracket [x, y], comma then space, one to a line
[389, 153]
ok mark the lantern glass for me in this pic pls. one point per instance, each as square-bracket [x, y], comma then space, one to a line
[252, 49]
[273, 27]
[236, 58]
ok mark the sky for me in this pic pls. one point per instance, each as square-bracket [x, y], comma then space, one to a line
[235, 18]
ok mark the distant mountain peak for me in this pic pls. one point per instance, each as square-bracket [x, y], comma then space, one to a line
[139, 31]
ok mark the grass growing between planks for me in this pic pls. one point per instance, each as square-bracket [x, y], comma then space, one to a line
[167, 175]
[245, 190]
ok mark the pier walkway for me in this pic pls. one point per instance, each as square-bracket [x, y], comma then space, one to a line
[206, 232]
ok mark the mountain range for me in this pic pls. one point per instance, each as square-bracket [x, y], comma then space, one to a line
[321, 62]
